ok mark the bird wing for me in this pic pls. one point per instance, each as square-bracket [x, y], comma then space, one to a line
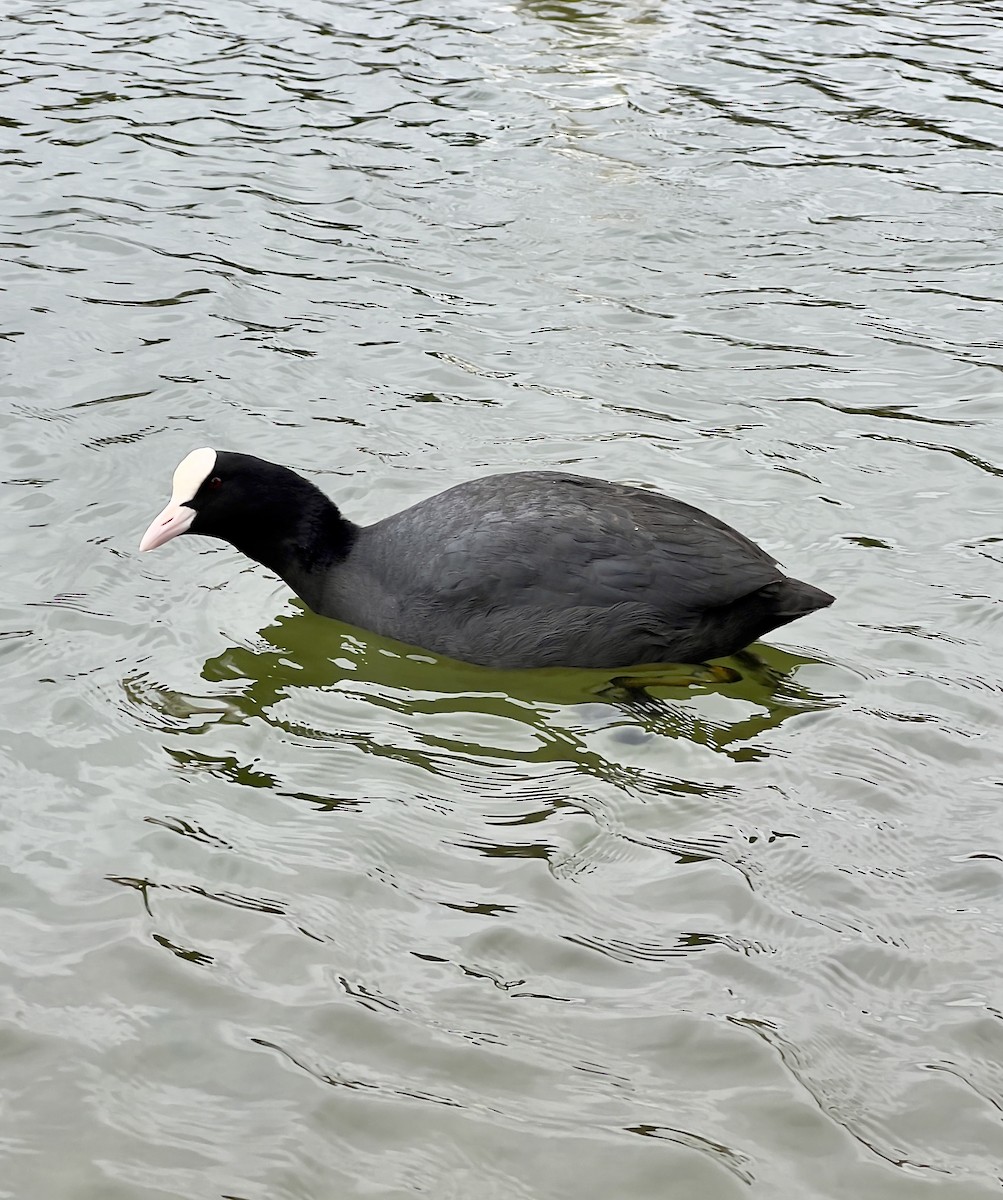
[547, 540]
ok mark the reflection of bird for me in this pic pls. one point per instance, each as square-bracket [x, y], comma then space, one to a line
[531, 569]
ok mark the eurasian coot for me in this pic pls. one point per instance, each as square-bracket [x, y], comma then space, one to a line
[532, 569]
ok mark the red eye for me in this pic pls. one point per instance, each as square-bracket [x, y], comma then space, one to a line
[215, 482]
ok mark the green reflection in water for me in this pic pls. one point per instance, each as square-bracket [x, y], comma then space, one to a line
[303, 650]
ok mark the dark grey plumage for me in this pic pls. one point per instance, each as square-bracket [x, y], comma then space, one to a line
[532, 569]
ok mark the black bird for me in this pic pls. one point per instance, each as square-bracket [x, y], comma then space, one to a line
[532, 569]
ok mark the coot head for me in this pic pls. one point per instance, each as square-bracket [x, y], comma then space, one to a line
[241, 499]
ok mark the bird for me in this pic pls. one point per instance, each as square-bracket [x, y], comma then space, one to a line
[520, 570]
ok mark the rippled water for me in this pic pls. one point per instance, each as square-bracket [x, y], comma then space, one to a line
[290, 912]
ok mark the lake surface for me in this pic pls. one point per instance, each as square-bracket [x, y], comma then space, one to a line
[292, 913]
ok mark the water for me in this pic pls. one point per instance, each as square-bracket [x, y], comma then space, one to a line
[292, 913]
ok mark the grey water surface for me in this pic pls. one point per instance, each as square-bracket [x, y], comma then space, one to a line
[293, 913]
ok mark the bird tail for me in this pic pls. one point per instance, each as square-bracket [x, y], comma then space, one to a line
[794, 598]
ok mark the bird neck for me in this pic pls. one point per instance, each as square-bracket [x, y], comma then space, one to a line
[302, 550]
